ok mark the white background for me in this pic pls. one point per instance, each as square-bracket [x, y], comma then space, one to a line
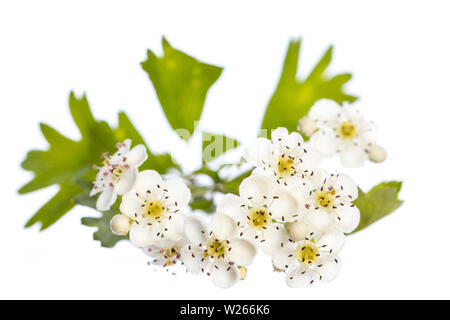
[398, 52]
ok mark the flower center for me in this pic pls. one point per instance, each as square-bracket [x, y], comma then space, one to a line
[170, 253]
[347, 130]
[154, 210]
[325, 198]
[307, 253]
[285, 166]
[215, 248]
[259, 218]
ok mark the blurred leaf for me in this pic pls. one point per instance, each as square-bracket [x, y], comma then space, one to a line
[378, 202]
[214, 145]
[204, 204]
[232, 186]
[294, 97]
[181, 83]
[67, 163]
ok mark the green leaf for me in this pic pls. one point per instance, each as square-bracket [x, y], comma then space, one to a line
[103, 233]
[214, 145]
[181, 83]
[232, 186]
[202, 203]
[378, 202]
[293, 97]
[68, 163]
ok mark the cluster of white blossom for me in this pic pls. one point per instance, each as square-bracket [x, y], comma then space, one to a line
[288, 208]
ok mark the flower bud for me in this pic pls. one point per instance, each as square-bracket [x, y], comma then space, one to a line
[377, 154]
[307, 126]
[242, 272]
[120, 224]
[298, 231]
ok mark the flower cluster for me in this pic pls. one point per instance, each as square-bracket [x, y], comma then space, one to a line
[288, 207]
[342, 130]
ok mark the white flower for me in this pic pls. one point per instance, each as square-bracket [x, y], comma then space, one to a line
[155, 206]
[342, 130]
[260, 210]
[118, 174]
[312, 258]
[216, 251]
[165, 253]
[284, 157]
[328, 202]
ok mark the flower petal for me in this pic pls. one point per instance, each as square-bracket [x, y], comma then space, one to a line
[331, 242]
[301, 277]
[346, 187]
[319, 219]
[232, 205]
[242, 252]
[178, 192]
[325, 110]
[325, 142]
[106, 199]
[259, 152]
[274, 240]
[174, 226]
[195, 230]
[224, 275]
[223, 226]
[143, 235]
[284, 205]
[137, 156]
[130, 205]
[284, 259]
[348, 218]
[148, 180]
[256, 188]
[329, 268]
[126, 181]
[192, 257]
[353, 156]
[279, 134]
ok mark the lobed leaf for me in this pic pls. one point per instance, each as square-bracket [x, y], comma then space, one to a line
[181, 83]
[380, 201]
[293, 97]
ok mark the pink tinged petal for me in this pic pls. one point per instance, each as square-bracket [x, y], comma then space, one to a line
[331, 242]
[142, 234]
[284, 205]
[195, 230]
[324, 142]
[256, 188]
[233, 206]
[285, 259]
[346, 187]
[178, 192]
[329, 268]
[126, 181]
[274, 240]
[146, 181]
[319, 219]
[131, 205]
[242, 252]
[106, 199]
[223, 227]
[137, 156]
[301, 277]
[224, 275]
[347, 218]
[259, 152]
[353, 156]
